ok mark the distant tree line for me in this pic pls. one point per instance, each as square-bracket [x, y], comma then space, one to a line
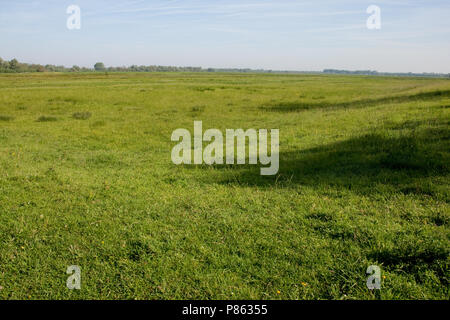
[15, 66]
[376, 73]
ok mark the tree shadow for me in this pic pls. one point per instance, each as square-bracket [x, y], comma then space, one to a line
[300, 106]
[415, 259]
[362, 163]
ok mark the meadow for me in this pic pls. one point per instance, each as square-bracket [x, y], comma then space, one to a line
[86, 179]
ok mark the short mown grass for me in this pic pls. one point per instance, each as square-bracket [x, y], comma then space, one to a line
[363, 180]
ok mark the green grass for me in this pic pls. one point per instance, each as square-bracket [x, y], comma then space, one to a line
[5, 117]
[46, 119]
[363, 180]
[81, 115]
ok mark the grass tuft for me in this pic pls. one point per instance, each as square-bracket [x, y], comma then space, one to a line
[46, 119]
[6, 117]
[81, 115]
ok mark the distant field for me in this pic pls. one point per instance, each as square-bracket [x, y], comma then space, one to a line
[86, 179]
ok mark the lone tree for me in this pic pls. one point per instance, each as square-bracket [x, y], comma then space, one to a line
[99, 66]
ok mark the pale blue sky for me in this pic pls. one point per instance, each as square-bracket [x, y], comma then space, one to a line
[269, 34]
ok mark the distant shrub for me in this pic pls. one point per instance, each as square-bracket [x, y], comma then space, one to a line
[46, 119]
[6, 118]
[81, 115]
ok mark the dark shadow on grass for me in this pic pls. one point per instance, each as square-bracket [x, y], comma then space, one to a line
[409, 256]
[300, 106]
[415, 259]
[360, 164]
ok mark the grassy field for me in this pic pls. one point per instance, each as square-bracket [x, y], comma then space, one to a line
[86, 179]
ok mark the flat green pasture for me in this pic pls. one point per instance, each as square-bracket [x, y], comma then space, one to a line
[86, 179]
